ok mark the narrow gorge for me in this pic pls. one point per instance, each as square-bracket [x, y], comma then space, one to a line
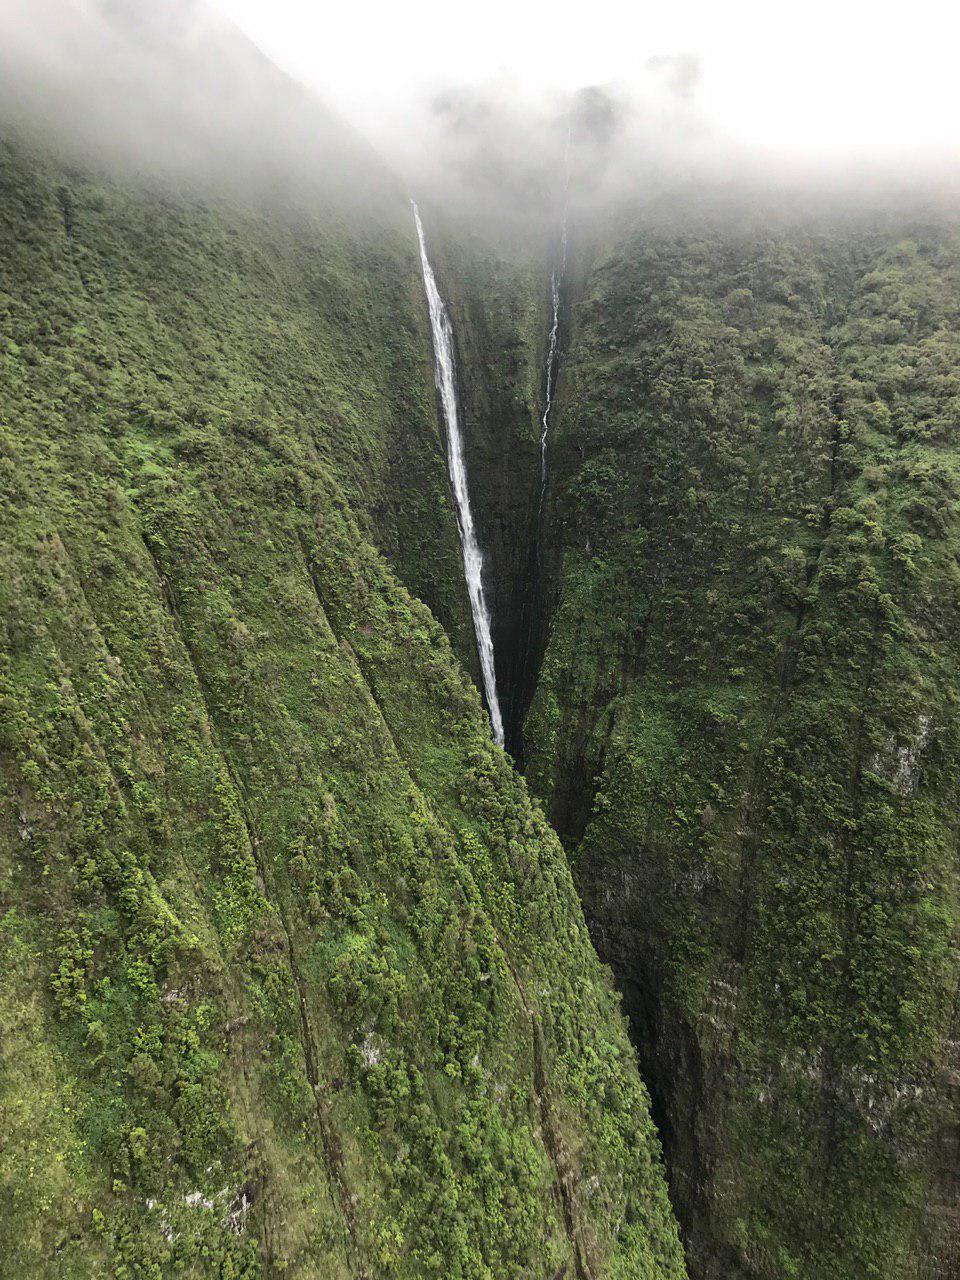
[713, 731]
[479, 687]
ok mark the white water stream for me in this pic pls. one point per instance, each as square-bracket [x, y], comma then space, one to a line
[556, 279]
[444, 372]
[556, 283]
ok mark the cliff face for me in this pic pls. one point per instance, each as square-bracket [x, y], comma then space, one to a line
[746, 723]
[296, 978]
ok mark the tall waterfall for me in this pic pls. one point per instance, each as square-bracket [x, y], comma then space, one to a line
[556, 279]
[472, 559]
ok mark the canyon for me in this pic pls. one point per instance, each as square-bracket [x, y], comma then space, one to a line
[478, 716]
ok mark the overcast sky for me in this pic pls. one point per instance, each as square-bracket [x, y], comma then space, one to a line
[822, 76]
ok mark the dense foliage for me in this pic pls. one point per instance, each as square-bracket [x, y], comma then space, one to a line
[296, 981]
[746, 723]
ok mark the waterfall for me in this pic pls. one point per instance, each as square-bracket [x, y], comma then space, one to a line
[472, 559]
[556, 279]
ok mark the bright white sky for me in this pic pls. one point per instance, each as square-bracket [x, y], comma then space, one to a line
[822, 75]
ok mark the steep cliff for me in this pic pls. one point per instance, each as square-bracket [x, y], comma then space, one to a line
[746, 724]
[296, 978]
[298, 982]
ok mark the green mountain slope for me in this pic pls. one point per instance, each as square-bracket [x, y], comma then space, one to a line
[746, 721]
[296, 979]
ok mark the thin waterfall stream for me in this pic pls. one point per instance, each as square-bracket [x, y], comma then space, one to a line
[553, 344]
[445, 375]
[534, 606]
[556, 280]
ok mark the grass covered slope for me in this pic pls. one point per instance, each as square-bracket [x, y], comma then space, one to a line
[296, 979]
[746, 723]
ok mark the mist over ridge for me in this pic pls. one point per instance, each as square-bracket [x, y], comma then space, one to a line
[179, 88]
[175, 92]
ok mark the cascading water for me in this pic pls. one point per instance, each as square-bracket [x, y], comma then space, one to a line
[556, 282]
[444, 373]
[534, 610]
[556, 279]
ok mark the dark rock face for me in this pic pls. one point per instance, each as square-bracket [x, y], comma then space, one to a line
[499, 320]
[686, 1085]
[502, 463]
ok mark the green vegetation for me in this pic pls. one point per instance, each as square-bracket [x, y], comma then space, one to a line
[296, 979]
[746, 722]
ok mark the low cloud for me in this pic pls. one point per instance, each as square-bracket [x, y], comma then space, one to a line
[169, 89]
[174, 88]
